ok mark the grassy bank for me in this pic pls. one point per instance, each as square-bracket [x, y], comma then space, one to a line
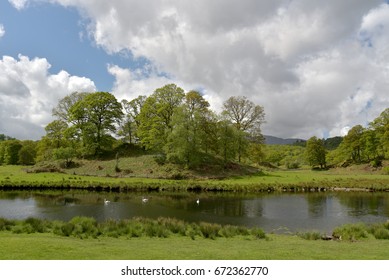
[296, 180]
[83, 238]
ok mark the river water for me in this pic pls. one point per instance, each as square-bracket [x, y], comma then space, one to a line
[286, 212]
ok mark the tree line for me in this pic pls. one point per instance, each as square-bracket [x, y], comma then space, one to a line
[179, 127]
[361, 145]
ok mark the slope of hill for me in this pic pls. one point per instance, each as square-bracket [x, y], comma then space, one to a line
[272, 140]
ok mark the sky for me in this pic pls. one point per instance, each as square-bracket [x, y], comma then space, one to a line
[317, 67]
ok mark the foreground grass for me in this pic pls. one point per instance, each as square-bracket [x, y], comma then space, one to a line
[276, 247]
[164, 238]
[299, 180]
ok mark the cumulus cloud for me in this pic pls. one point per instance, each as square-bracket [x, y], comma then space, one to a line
[28, 93]
[2, 30]
[316, 66]
[18, 4]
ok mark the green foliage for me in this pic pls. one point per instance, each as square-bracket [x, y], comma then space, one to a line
[333, 142]
[209, 230]
[96, 116]
[28, 153]
[315, 152]
[6, 224]
[380, 231]
[65, 154]
[310, 235]
[156, 115]
[258, 233]
[289, 156]
[129, 126]
[85, 227]
[246, 117]
[351, 232]
[184, 144]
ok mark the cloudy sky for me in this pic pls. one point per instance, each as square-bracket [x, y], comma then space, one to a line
[318, 67]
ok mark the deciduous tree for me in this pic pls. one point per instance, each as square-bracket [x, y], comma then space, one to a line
[315, 152]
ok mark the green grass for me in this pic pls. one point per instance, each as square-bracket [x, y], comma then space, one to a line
[281, 180]
[83, 238]
[276, 247]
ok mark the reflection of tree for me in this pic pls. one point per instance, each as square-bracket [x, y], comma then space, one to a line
[365, 203]
[317, 204]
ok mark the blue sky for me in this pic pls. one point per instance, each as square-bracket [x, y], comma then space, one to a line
[317, 67]
[58, 34]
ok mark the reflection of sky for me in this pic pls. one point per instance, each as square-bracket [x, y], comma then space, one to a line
[18, 208]
[272, 212]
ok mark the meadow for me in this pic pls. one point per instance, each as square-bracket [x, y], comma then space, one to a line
[101, 175]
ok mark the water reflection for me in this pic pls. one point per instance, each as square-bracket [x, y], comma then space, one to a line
[296, 212]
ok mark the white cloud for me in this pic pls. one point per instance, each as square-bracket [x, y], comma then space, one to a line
[28, 93]
[19, 4]
[2, 30]
[316, 66]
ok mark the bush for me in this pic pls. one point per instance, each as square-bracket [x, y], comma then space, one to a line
[351, 232]
[37, 225]
[173, 225]
[160, 159]
[258, 233]
[82, 227]
[377, 162]
[380, 231]
[313, 235]
[210, 230]
[6, 224]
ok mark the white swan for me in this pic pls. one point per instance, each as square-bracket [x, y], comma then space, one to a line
[106, 201]
[198, 201]
[144, 199]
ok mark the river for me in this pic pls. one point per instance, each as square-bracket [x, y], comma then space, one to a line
[274, 212]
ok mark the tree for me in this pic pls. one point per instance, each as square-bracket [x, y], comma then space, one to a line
[228, 137]
[27, 153]
[156, 115]
[132, 109]
[315, 152]
[381, 127]
[62, 111]
[96, 116]
[352, 143]
[55, 131]
[11, 151]
[67, 154]
[246, 116]
[184, 141]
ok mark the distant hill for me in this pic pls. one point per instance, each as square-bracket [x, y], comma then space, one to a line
[272, 140]
[329, 143]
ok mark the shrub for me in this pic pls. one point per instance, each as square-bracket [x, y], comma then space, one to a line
[173, 225]
[210, 230]
[313, 235]
[258, 233]
[37, 225]
[351, 232]
[380, 231]
[83, 227]
[22, 228]
[6, 224]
